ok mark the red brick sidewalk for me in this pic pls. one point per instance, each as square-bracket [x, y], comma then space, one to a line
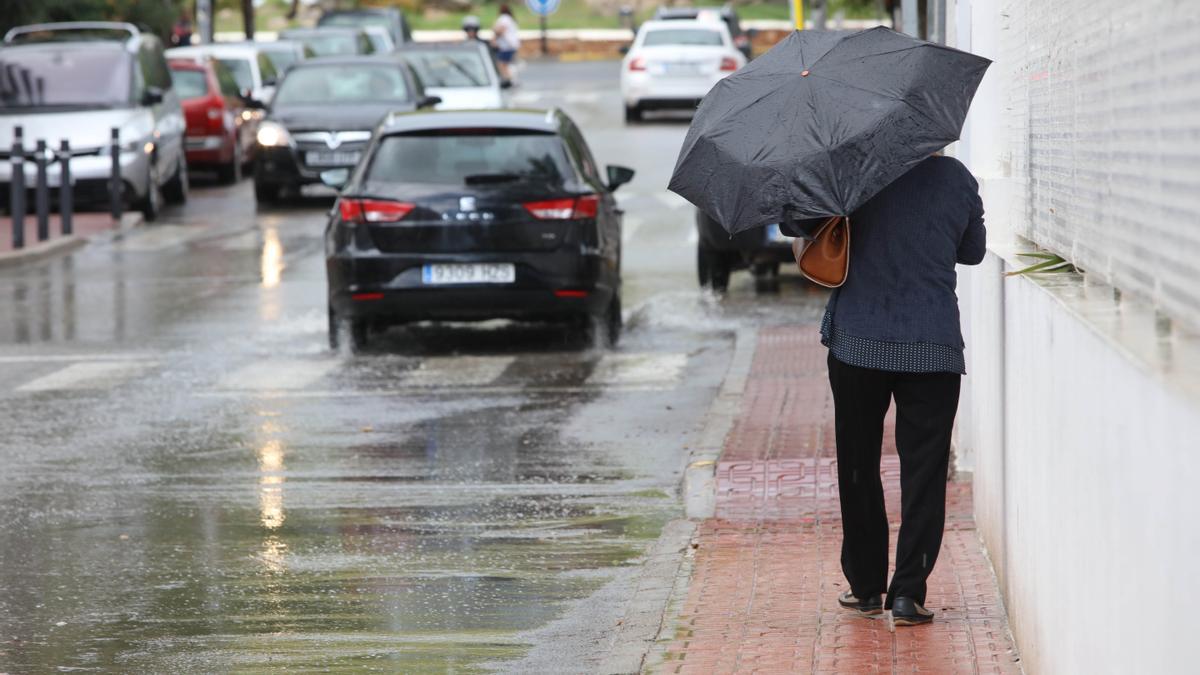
[766, 577]
[83, 225]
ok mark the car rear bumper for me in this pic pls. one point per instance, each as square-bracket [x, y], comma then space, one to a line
[549, 286]
[649, 91]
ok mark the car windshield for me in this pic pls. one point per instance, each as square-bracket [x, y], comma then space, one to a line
[282, 59]
[336, 44]
[446, 68]
[481, 156]
[66, 76]
[189, 83]
[241, 72]
[355, 20]
[683, 36]
[342, 83]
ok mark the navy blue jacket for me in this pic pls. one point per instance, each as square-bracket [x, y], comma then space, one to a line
[904, 243]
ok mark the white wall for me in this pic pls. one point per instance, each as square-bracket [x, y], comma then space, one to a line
[1080, 416]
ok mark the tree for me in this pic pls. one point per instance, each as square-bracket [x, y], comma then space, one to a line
[248, 18]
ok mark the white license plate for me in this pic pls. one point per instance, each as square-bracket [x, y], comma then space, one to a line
[681, 68]
[773, 234]
[477, 273]
[332, 158]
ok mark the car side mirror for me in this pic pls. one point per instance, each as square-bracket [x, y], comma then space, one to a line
[270, 81]
[618, 176]
[152, 96]
[250, 102]
[429, 101]
[335, 178]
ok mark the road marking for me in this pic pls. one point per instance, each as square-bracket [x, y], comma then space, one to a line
[277, 374]
[637, 369]
[68, 358]
[671, 200]
[576, 97]
[526, 97]
[457, 371]
[88, 375]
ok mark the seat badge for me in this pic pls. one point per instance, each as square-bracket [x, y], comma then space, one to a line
[466, 203]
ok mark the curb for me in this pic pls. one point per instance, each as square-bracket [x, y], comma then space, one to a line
[61, 245]
[699, 478]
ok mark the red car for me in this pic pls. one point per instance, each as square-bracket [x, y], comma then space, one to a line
[220, 128]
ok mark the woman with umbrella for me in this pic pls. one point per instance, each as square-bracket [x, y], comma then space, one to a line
[830, 124]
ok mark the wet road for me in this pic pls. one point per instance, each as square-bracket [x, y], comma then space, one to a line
[190, 481]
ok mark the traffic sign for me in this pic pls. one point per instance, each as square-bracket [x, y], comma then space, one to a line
[543, 7]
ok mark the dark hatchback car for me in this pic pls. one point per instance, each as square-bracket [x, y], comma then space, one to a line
[762, 250]
[389, 18]
[465, 216]
[322, 115]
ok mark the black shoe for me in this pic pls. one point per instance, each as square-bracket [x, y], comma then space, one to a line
[909, 612]
[869, 606]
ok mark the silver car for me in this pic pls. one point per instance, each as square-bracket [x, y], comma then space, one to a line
[78, 81]
[462, 74]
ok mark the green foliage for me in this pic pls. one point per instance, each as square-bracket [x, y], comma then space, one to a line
[1050, 262]
[156, 15]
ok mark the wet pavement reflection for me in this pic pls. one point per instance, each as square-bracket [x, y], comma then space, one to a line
[193, 482]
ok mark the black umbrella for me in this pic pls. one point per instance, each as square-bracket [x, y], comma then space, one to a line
[822, 122]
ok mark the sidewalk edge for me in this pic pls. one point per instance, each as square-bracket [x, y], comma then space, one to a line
[699, 477]
[61, 245]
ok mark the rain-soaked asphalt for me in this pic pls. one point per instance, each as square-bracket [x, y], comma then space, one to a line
[190, 481]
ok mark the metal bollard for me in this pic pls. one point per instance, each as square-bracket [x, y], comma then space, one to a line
[17, 189]
[116, 202]
[42, 193]
[66, 196]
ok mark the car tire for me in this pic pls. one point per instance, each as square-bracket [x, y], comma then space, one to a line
[176, 189]
[152, 202]
[608, 325]
[633, 113]
[713, 269]
[265, 193]
[357, 330]
[231, 173]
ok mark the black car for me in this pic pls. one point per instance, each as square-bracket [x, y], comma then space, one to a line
[741, 39]
[762, 250]
[331, 41]
[389, 18]
[465, 216]
[322, 115]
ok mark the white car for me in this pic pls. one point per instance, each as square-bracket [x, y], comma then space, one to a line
[462, 74]
[673, 64]
[255, 73]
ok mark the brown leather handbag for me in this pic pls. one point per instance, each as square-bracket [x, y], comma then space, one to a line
[826, 259]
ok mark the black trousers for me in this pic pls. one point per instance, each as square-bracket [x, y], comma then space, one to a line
[925, 407]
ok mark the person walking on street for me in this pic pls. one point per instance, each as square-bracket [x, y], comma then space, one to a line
[508, 41]
[893, 333]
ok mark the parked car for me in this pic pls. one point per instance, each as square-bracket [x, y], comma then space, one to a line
[332, 41]
[220, 128]
[389, 18]
[255, 73]
[284, 54]
[762, 250]
[381, 39]
[741, 38]
[322, 117]
[673, 64]
[475, 215]
[77, 81]
[462, 74]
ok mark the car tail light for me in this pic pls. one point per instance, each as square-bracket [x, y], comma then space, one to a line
[373, 210]
[637, 64]
[565, 209]
[729, 63]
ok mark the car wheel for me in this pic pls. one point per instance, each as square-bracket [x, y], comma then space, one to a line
[176, 189]
[633, 113]
[356, 329]
[713, 269]
[265, 193]
[151, 204]
[611, 323]
[232, 172]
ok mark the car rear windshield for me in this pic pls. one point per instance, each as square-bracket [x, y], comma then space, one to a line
[343, 83]
[189, 83]
[683, 36]
[477, 156]
[241, 70]
[67, 76]
[338, 44]
[282, 59]
[445, 68]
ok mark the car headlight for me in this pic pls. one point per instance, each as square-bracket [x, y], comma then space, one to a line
[273, 134]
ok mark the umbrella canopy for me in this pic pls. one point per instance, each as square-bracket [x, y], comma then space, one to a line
[821, 123]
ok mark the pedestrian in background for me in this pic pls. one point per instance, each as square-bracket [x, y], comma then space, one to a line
[893, 333]
[181, 32]
[507, 41]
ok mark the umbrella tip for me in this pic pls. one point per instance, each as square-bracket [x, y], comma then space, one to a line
[804, 73]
